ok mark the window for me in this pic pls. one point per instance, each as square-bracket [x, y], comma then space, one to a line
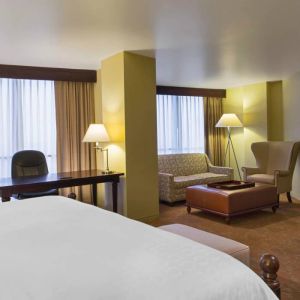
[180, 124]
[27, 120]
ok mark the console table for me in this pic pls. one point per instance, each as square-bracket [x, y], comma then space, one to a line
[10, 186]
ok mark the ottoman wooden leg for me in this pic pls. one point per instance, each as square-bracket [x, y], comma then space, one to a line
[227, 220]
[188, 208]
[274, 208]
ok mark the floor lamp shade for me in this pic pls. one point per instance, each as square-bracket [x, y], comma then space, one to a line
[229, 120]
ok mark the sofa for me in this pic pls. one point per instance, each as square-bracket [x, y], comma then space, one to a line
[179, 171]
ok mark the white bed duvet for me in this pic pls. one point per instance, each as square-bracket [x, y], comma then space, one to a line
[58, 248]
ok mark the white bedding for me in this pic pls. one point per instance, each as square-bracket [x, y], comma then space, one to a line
[58, 248]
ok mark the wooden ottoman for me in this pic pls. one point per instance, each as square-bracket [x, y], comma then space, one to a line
[233, 248]
[229, 203]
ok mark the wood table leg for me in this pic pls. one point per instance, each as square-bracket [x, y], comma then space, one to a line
[188, 208]
[115, 196]
[94, 185]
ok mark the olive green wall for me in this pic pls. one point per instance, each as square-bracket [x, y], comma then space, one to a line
[259, 106]
[113, 108]
[234, 104]
[141, 137]
[250, 104]
[275, 111]
[129, 112]
[255, 118]
[98, 119]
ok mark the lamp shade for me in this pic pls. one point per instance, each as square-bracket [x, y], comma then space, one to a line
[96, 133]
[229, 120]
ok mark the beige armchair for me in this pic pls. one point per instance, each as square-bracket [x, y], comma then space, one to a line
[275, 165]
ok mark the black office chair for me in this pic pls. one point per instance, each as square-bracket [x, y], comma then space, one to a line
[30, 163]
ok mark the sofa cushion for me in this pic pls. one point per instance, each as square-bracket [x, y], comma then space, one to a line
[203, 178]
[262, 178]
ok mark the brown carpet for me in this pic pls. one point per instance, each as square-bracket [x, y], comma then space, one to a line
[263, 231]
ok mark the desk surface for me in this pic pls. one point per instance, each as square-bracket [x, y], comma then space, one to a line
[10, 186]
[75, 175]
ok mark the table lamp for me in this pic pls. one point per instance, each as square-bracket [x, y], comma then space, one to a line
[97, 133]
[229, 121]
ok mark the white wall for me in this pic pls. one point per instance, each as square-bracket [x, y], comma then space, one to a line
[291, 108]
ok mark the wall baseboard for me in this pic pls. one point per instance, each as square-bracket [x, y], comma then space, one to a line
[148, 219]
[295, 196]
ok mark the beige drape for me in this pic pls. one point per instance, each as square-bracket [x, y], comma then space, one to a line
[75, 110]
[214, 137]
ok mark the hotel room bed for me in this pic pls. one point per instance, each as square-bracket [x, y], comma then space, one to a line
[57, 248]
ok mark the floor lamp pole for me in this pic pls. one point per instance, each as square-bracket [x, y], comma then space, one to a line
[228, 147]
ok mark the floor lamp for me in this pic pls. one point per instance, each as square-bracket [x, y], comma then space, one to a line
[97, 133]
[229, 121]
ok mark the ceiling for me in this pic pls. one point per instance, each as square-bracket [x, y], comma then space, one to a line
[199, 43]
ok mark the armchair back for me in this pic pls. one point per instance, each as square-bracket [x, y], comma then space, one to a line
[271, 156]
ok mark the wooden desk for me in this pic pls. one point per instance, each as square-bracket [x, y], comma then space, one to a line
[10, 186]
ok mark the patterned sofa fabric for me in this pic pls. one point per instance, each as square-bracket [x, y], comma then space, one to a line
[178, 171]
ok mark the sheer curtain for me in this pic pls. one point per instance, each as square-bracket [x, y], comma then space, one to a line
[180, 124]
[27, 110]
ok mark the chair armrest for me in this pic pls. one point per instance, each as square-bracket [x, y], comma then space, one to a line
[283, 180]
[282, 173]
[251, 171]
[221, 170]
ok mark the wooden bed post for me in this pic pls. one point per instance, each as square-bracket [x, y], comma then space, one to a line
[269, 265]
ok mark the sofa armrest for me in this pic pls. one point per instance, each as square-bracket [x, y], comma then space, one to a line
[221, 170]
[282, 173]
[166, 186]
[166, 176]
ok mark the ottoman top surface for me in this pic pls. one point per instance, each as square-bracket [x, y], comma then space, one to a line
[258, 187]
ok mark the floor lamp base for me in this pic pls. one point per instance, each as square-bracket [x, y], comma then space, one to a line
[228, 147]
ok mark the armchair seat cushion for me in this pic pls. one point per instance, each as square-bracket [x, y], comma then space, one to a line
[185, 181]
[262, 178]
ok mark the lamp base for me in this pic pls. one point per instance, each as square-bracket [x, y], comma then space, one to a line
[107, 172]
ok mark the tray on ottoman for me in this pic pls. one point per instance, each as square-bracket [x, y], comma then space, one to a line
[229, 203]
[231, 185]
